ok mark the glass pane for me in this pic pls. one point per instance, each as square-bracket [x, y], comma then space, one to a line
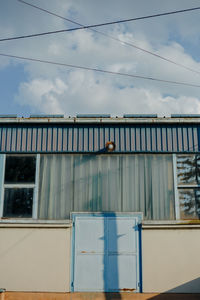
[97, 184]
[101, 183]
[148, 186]
[189, 203]
[20, 169]
[18, 203]
[198, 168]
[55, 196]
[187, 169]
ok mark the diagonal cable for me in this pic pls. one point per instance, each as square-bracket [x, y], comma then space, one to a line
[99, 70]
[111, 37]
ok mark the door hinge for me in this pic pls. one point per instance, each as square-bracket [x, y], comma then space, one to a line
[72, 284]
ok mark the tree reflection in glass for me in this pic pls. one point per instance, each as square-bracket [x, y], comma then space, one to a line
[188, 174]
[187, 169]
[189, 203]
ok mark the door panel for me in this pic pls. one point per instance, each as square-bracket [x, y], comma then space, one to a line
[106, 252]
[90, 235]
[122, 235]
[89, 273]
[125, 279]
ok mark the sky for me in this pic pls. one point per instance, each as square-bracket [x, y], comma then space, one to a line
[34, 88]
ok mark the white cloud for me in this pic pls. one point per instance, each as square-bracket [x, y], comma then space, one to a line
[82, 93]
[42, 93]
[54, 89]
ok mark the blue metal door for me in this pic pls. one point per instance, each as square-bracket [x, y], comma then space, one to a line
[106, 252]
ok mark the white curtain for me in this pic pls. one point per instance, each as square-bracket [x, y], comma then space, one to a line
[148, 186]
[100, 183]
[56, 186]
[97, 183]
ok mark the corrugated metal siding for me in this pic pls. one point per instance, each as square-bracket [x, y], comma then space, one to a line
[92, 138]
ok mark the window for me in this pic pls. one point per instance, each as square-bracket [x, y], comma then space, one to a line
[20, 169]
[50, 186]
[19, 190]
[119, 183]
[188, 181]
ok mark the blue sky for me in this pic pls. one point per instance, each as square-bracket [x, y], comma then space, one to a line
[28, 87]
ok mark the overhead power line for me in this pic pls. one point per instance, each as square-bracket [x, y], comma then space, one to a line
[99, 70]
[98, 25]
[112, 38]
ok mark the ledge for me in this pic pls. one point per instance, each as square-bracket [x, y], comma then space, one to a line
[99, 120]
[34, 224]
[176, 224]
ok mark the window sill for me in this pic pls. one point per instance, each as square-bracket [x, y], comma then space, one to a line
[171, 224]
[26, 223]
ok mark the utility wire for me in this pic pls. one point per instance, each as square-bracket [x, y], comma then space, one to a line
[112, 38]
[99, 25]
[114, 22]
[99, 70]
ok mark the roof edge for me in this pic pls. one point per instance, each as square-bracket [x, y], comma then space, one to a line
[99, 120]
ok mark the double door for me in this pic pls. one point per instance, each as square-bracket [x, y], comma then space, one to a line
[106, 252]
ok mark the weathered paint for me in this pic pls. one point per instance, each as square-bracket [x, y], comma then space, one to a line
[92, 137]
[106, 252]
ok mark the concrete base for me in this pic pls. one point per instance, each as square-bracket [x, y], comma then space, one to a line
[95, 296]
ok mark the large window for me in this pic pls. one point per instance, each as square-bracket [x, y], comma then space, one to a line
[51, 186]
[18, 186]
[120, 183]
[188, 181]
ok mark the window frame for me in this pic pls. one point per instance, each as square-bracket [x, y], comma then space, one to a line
[178, 187]
[176, 195]
[34, 186]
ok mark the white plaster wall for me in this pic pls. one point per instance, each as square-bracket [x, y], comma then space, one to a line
[35, 259]
[171, 260]
[38, 259]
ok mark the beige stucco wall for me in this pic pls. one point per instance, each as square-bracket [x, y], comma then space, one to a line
[35, 259]
[171, 260]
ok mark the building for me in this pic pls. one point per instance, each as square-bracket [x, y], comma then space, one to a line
[95, 203]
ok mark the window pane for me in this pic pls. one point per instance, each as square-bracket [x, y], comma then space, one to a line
[198, 168]
[55, 186]
[187, 169]
[189, 203]
[18, 203]
[103, 183]
[148, 186]
[20, 169]
[97, 183]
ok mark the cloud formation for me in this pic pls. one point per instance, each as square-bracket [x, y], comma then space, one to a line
[54, 89]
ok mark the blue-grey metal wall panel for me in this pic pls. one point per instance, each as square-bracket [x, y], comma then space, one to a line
[92, 138]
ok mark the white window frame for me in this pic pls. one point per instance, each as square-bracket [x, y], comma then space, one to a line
[2, 186]
[21, 185]
[176, 195]
[35, 187]
[180, 186]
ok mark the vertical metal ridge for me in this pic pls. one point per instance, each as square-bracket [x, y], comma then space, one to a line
[88, 138]
[198, 147]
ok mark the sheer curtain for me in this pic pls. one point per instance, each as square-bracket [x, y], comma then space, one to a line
[56, 186]
[148, 185]
[97, 183]
[129, 183]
